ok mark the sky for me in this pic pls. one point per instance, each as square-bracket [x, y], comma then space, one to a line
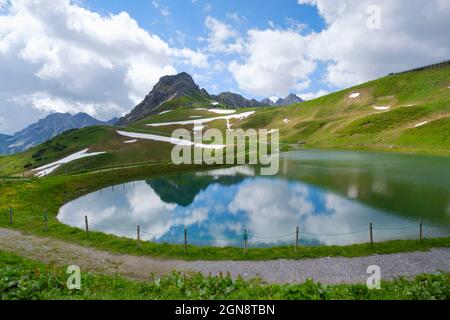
[103, 57]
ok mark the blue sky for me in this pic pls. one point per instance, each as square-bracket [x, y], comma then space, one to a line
[182, 24]
[103, 57]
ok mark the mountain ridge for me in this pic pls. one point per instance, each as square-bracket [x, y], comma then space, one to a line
[45, 129]
[183, 89]
[282, 102]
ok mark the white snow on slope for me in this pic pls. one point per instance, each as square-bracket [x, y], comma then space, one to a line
[286, 121]
[130, 141]
[171, 140]
[420, 124]
[274, 99]
[218, 111]
[382, 108]
[164, 112]
[49, 168]
[228, 117]
[222, 111]
[354, 95]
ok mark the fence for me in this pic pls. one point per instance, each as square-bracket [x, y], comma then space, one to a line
[296, 235]
[441, 65]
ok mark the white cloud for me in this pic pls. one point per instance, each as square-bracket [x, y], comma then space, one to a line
[194, 58]
[412, 34]
[165, 12]
[81, 59]
[277, 62]
[45, 101]
[313, 95]
[222, 38]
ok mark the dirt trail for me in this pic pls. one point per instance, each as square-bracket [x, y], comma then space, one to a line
[326, 270]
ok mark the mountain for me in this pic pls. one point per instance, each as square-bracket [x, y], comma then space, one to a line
[234, 100]
[45, 129]
[290, 99]
[168, 88]
[181, 90]
[4, 143]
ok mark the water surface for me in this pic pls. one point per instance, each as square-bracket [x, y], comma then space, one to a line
[331, 195]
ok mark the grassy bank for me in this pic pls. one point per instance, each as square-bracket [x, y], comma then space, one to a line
[25, 279]
[31, 198]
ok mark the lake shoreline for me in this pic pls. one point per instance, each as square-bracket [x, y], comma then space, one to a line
[30, 198]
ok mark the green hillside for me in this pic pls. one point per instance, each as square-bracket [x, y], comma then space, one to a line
[413, 115]
[339, 121]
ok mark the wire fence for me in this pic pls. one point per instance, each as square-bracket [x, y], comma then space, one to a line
[42, 221]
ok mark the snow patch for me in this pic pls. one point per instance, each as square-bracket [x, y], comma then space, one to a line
[354, 95]
[205, 120]
[215, 103]
[171, 140]
[218, 111]
[274, 99]
[420, 124]
[382, 108]
[286, 121]
[49, 168]
[130, 141]
[222, 111]
[164, 112]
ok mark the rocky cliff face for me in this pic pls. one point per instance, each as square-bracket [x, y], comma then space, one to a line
[168, 88]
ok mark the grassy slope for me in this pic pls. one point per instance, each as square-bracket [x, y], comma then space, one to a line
[337, 121]
[25, 279]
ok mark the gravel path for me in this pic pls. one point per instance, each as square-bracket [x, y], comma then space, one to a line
[325, 270]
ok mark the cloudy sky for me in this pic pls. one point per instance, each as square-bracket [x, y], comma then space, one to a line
[103, 57]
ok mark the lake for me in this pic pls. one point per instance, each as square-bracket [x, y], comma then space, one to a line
[331, 195]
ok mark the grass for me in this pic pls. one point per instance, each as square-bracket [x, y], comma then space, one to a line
[25, 279]
[30, 198]
[337, 122]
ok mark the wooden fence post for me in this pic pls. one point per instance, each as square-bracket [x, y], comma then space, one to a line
[10, 215]
[87, 225]
[421, 231]
[245, 241]
[45, 221]
[185, 240]
[297, 238]
[139, 235]
[371, 232]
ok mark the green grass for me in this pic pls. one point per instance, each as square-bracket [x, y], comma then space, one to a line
[337, 122]
[25, 280]
[30, 198]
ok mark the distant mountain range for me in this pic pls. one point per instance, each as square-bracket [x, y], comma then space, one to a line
[170, 92]
[181, 90]
[281, 102]
[45, 129]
